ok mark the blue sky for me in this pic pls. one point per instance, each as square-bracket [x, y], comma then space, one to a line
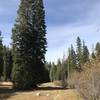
[65, 20]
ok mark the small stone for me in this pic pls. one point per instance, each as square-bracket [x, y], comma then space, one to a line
[47, 95]
[38, 94]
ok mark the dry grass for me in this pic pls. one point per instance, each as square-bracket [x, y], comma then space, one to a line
[88, 81]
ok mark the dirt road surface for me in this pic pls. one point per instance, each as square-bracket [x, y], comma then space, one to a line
[45, 92]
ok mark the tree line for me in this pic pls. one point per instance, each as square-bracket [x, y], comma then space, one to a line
[5, 61]
[24, 62]
[73, 62]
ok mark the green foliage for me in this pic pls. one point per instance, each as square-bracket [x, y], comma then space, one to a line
[59, 72]
[7, 58]
[29, 45]
[72, 58]
[48, 66]
[53, 72]
[93, 55]
[1, 56]
[79, 53]
[5, 63]
[97, 49]
[47, 71]
[85, 53]
[72, 63]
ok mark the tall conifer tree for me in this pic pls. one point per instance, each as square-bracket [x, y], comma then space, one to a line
[29, 44]
[73, 58]
[85, 53]
[7, 59]
[1, 56]
[5, 63]
[79, 53]
[97, 49]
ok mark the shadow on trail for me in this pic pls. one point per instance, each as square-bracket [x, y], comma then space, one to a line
[6, 93]
[50, 88]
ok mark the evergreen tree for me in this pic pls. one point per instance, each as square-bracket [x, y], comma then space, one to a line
[85, 53]
[5, 63]
[79, 53]
[47, 71]
[10, 60]
[48, 66]
[58, 70]
[71, 61]
[97, 49]
[73, 58]
[59, 62]
[1, 56]
[29, 45]
[61, 72]
[53, 72]
[93, 55]
[7, 58]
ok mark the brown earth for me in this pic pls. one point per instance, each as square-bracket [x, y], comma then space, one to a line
[46, 91]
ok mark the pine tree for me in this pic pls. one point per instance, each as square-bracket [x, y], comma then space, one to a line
[10, 65]
[47, 71]
[48, 66]
[29, 45]
[85, 53]
[69, 63]
[59, 62]
[79, 53]
[93, 55]
[53, 72]
[97, 49]
[1, 56]
[58, 70]
[7, 58]
[5, 63]
[61, 72]
[73, 58]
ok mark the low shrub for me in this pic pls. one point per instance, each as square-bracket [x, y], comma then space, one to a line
[61, 83]
[87, 82]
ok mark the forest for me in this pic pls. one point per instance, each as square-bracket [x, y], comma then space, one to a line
[23, 62]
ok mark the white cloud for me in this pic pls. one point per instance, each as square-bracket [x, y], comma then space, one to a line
[81, 18]
[61, 37]
[66, 19]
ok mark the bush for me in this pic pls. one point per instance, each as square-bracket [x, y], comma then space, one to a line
[57, 83]
[88, 81]
[60, 83]
[72, 80]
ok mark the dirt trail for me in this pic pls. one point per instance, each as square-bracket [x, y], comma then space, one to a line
[45, 92]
